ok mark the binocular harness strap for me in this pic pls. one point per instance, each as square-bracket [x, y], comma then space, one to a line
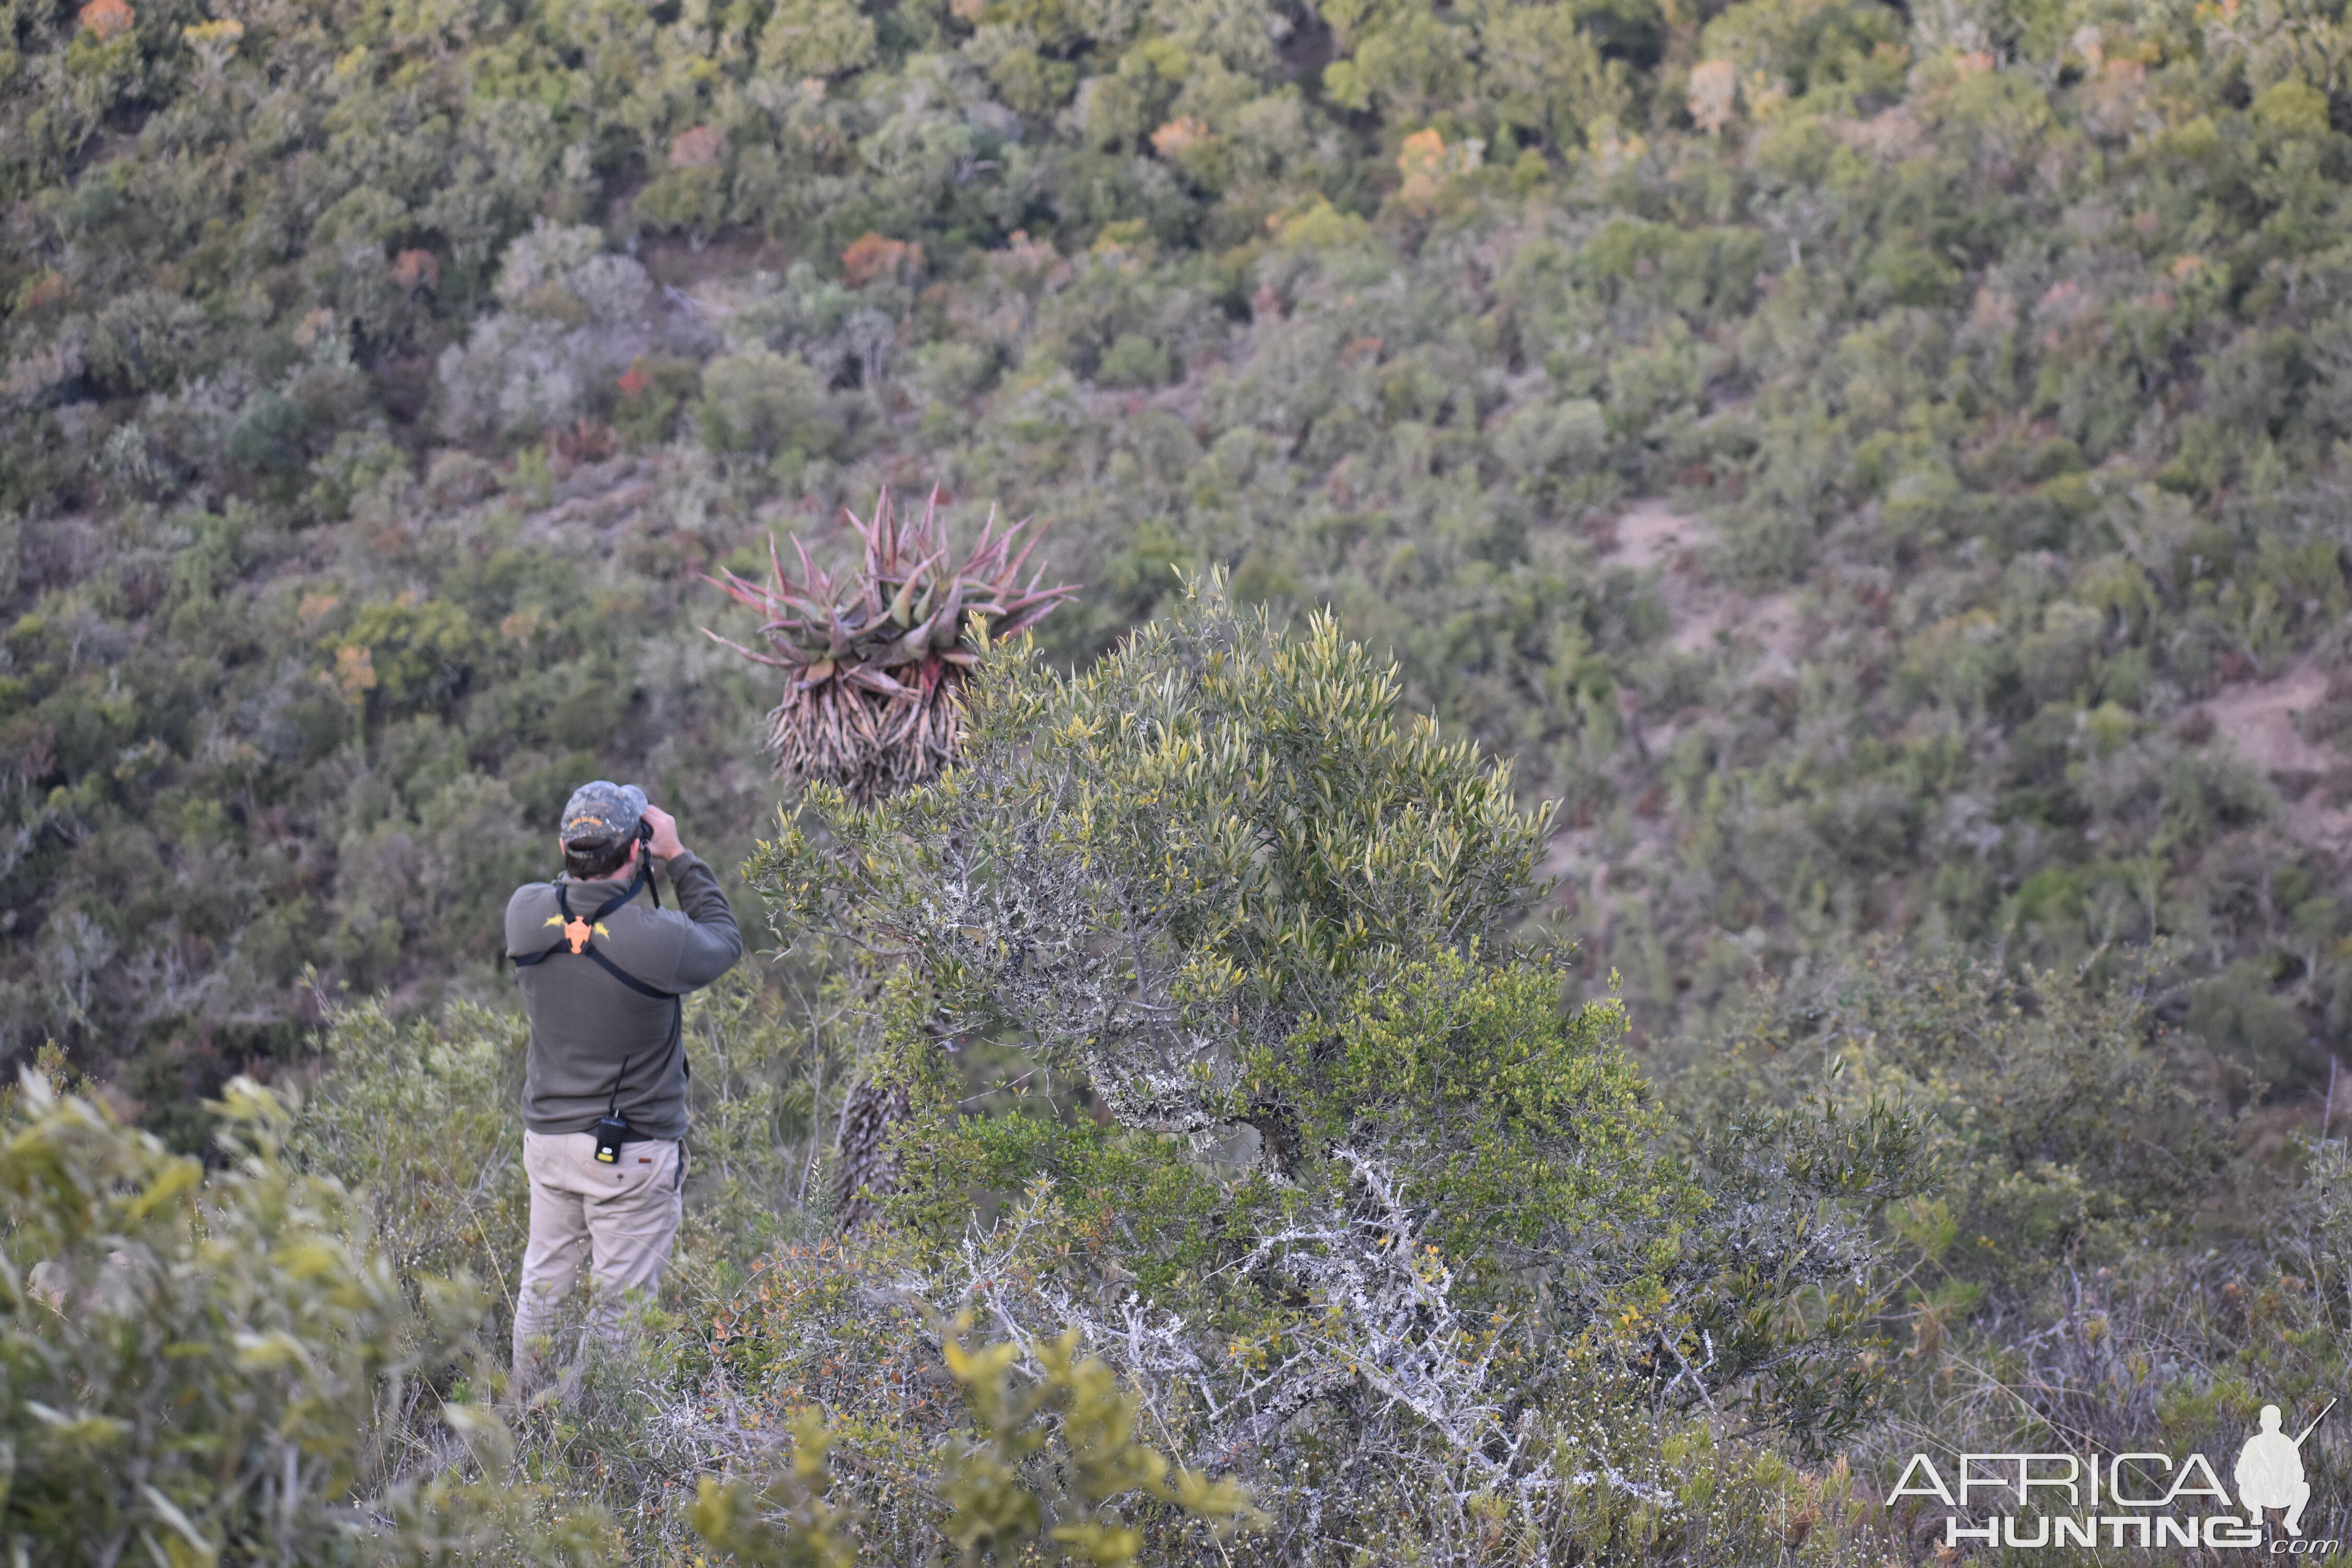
[563, 903]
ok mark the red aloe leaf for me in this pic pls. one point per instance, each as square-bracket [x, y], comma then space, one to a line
[747, 653]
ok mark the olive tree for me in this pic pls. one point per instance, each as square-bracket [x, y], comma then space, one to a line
[1219, 897]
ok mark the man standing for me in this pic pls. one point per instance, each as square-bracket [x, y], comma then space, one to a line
[604, 1100]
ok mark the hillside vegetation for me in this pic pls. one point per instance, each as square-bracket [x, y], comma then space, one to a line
[1880, 470]
[377, 378]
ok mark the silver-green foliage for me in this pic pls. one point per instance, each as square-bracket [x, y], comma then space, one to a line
[198, 1370]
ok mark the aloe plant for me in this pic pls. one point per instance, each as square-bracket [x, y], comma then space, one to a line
[874, 658]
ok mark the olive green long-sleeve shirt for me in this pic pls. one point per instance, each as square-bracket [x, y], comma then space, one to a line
[584, 1024]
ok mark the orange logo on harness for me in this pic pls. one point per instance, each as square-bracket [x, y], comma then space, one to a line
[576, 934]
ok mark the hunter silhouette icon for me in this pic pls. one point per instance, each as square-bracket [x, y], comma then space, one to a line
[2270, 1471]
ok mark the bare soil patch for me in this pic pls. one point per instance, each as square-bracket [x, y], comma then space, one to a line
[2260, 722]
[1756, 638]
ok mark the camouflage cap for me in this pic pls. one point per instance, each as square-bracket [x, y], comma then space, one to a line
[601, 814]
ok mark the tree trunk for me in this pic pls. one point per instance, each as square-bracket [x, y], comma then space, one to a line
[867, 1170]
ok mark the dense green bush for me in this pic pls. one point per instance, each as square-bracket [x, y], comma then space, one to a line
[2061, 1119]
[1215, 889]
[2095, 1261]
[224, 1369]
[1240, 934]
[1010, 1488]
[189, 1371]
[218, 1369]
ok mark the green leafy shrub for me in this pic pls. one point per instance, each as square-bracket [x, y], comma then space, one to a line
[193, 1372]
[1046, 1462]
[1249, 925]
[2060, 1120]
[215, 1368]
[1132, 360]
[850, 1330]
[764, 402]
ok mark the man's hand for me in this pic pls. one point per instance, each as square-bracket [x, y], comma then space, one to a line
[666, 840]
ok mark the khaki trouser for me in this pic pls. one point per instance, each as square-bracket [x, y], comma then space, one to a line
[618, 1220]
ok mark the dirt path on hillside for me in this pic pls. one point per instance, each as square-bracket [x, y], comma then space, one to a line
[2261, 722]
[1761, 638]
[1758, 638]
[1651, 535]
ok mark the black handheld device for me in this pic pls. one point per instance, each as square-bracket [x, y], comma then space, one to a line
[645, 857]
[613, 1131]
